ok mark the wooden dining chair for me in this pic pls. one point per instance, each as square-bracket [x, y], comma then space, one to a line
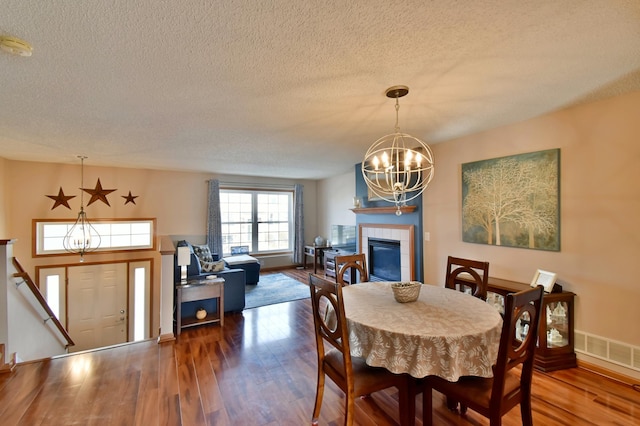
[463, 273]
[351, 374]
[494, 397]
[355, 265]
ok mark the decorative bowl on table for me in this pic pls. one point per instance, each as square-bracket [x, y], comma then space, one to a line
[406, 291]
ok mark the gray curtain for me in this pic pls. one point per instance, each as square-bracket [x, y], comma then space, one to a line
[214, 220]
[298, 224]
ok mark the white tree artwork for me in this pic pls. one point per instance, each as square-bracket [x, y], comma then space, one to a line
[513, 201]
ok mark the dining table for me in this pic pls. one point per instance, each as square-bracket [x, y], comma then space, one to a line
[445, 332]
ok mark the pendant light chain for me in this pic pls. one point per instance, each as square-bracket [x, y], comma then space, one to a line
[397, 115]
[82, 158]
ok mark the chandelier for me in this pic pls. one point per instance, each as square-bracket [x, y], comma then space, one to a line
[398, 167]
[82, 237]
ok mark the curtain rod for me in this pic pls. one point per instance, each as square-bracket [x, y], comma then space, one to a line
[255, 185]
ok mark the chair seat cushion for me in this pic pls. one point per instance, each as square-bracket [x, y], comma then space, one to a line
[367, 379]
[477, 389]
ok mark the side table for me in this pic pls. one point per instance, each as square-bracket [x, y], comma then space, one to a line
[317, 253]
[200, 289]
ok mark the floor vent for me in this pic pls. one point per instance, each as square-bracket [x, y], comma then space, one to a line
[609, 350]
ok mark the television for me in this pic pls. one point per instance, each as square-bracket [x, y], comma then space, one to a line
[343, 237]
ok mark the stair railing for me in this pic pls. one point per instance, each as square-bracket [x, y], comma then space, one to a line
[26, 279]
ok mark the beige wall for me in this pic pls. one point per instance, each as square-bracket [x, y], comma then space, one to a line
[600, 210]
[3, 202]
[335, 198]
[178, 201]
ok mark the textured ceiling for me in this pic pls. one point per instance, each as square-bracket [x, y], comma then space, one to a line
[293, 89]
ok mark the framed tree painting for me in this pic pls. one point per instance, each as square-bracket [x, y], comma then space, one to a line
[513, 201]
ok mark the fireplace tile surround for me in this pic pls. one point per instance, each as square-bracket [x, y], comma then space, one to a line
[402, 233]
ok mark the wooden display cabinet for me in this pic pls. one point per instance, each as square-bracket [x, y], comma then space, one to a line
[556, 331]
[556, 339]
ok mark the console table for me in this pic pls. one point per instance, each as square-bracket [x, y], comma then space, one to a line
[200, 289]
[330, 267]
[317, 253]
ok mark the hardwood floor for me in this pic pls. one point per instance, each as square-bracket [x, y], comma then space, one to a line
[260, 369]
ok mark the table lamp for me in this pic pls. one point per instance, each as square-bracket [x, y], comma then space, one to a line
[184, 260]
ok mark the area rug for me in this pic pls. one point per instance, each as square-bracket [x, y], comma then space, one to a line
[274, 288]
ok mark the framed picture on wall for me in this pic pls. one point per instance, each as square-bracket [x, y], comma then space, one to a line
[513, 201]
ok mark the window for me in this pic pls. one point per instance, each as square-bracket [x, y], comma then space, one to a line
[114, 235]
[262, 220]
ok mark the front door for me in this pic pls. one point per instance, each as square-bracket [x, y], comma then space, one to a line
[97, 305]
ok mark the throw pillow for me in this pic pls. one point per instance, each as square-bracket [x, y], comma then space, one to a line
[203, 253]
[212, 266]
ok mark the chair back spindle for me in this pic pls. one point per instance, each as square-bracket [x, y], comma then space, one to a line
[470, 273]
[355, 264]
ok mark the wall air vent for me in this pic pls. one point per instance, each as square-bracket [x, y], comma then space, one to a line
[609, 350]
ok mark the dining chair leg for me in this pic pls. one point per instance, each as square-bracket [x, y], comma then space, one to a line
[452, 404]
[349, 407]
[318, 404]
[427, 406]
[525, 411]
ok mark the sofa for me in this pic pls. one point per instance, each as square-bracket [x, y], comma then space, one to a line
[234, 284]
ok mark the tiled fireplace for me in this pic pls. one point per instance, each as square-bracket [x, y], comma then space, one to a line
[388, 232]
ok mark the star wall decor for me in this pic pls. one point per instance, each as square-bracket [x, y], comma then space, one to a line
[98, 194]
[61, 199]
[129, 198]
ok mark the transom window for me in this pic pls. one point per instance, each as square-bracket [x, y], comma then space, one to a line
[259, 219]
[115, 235]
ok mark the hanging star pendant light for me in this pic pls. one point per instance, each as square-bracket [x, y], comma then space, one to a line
[82, 237]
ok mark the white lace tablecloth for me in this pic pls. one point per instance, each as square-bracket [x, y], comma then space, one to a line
[445, 332]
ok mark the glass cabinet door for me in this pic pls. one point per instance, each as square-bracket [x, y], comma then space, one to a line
[557, 324]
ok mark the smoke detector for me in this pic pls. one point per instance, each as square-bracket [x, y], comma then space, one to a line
[15, 46]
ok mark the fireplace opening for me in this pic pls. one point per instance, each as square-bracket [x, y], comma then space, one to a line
[384, 260]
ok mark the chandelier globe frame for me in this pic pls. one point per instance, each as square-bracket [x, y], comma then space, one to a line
[398, 167]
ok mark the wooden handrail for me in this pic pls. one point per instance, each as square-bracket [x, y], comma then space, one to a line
[43, 302]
